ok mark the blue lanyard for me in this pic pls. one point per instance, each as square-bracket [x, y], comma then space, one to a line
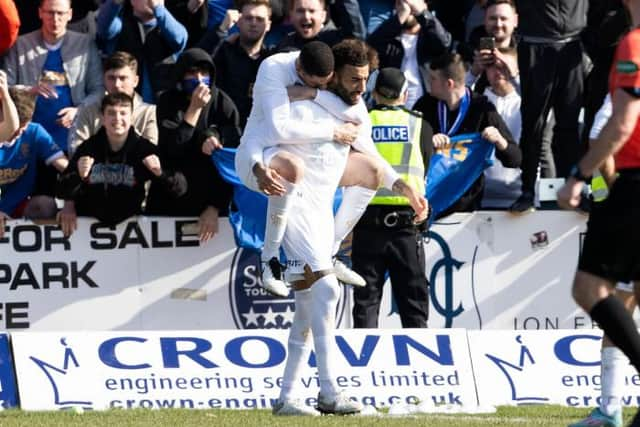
[443, 111]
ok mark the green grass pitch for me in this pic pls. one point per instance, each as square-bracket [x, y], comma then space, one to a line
[548, 416]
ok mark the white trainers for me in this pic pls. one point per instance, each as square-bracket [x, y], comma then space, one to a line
[272, 278]
[292, 408]
[347, 275]
[340, 404]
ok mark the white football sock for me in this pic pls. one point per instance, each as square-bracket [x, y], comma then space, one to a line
[354, 202]
[277, 213]
[612, 379]
[299, 344]
[325, 293]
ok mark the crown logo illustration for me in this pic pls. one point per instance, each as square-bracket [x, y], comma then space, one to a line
[60, 378]
[513, 372]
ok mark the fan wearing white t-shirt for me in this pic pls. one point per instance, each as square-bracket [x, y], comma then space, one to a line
[502, 185]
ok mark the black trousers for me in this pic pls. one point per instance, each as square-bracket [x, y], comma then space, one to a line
[610, 247]
[551, 76]
[378, 250]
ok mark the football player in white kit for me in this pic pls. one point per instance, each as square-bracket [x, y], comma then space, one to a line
[270, 124]
[309, 238]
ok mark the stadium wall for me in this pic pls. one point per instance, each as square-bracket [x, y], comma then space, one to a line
[488, 270]
[155, 319]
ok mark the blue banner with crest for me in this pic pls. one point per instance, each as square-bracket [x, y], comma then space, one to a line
[451, 172]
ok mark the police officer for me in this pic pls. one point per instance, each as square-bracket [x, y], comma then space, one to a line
[386, 239]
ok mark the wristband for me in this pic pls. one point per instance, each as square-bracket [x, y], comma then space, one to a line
[575, 173]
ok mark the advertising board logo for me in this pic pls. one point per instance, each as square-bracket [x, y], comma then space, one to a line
[450, 308]
[539, 240]
[255, 308]
[63, 378]
[515, 370]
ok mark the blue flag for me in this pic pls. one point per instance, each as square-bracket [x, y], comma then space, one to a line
[248, 211]
[451, 173]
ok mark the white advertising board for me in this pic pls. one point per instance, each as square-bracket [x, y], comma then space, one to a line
[146, 274]
[233, 369]
[542, 367]
[493, 270]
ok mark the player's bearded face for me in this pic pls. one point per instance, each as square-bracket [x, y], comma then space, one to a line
[350, 83]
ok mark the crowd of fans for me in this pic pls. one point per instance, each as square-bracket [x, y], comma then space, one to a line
[110, 94]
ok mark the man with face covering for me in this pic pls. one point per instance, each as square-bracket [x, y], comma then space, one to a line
[195, 118]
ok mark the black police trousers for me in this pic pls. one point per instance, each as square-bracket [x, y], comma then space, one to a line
[398, 251]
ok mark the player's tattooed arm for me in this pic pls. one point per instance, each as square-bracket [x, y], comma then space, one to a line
[400, 187]
[417, 200]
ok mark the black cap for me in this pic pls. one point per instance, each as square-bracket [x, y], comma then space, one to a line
[390, 82]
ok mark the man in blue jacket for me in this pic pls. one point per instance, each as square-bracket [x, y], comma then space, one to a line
[145, 29]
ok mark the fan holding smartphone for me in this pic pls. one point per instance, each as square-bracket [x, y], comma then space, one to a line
[500, 21]
[487, 43]
[484, 56]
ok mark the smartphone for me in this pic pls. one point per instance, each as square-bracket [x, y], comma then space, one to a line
[488, 43]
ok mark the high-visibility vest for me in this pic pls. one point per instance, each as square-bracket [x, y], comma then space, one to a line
[396, 133]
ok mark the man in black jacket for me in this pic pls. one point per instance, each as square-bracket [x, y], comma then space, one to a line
[552, 74]
[452, 109]
[237, 59]
[194, 119]
[409, 40]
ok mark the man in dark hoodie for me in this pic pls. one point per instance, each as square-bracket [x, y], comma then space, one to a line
[194, 119]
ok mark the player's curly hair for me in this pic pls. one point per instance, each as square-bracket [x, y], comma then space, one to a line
[352, 52]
